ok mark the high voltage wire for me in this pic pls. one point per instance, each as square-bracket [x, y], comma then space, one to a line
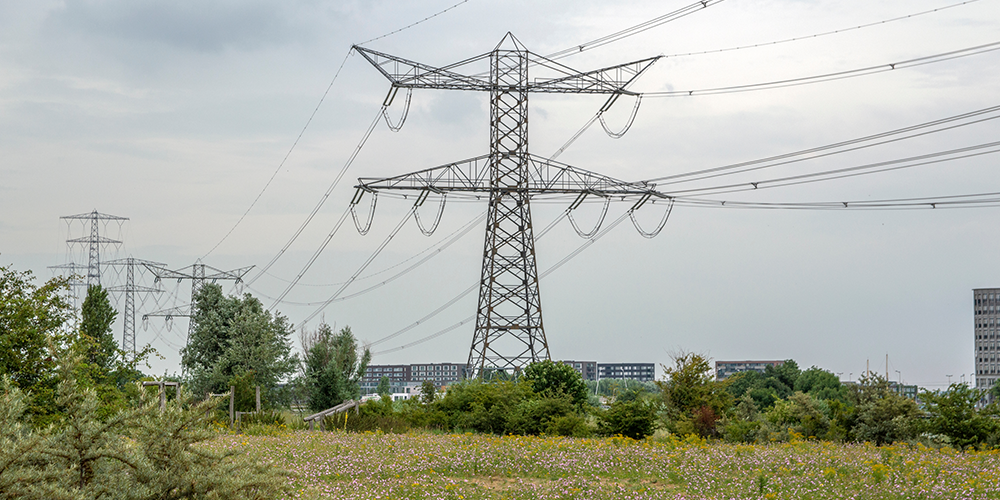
[450, 239]
[839, 75]
[323, 199]
[853, 171]
[465, 292]
[390, 268]
[548, 271]
[817, 152]
[313, 115]
[817, 35]
[634, 30]
[974, 200]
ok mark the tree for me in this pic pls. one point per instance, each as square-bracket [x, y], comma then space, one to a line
[427, 392]
[692, 396]
[821, 384]
[139, 453]
[332, 368]
[32, 320]
[97, 343]
[953, 413]
[384, 390]
[551, 379]
[880, 415]
[236, 339]
[634, 418]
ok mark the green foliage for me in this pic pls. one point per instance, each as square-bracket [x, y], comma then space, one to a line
[800, 413]
[428, 393]
[31, 321]
[879, 415]
[333, 368]
[98, 345]
[820, 384]
[615, 387]
[744, 426]
[384, 390]
[236, 337]
[953, 413]
[552, 379]
[136, 454]
[634, 418]
[694, 400]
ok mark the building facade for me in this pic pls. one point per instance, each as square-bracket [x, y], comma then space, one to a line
[587, 369]
[401, 376]
[725, 369]
[643, 372]
[986, 304]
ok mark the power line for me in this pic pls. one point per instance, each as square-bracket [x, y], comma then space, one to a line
[634, 30]
[853, 171]
[283, 160]
[428, 18]
[974, 200]
[817, 35]
[325, 196]
[545, 273]
[452, 238]
[839, 75]
[313, 115]
[769, 161]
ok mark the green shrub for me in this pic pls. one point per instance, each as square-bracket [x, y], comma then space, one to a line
[635, 419]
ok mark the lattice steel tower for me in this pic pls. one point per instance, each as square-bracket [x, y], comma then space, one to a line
[509, 332]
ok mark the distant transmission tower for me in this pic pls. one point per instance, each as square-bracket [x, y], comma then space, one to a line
[197, 274]
[509, 334]
[129, 290]
[94, 244]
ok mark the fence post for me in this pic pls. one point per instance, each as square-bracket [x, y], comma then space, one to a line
[163, 398]
[258, 399]
[232, 403]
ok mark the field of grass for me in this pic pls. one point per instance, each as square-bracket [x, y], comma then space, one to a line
[465, 466]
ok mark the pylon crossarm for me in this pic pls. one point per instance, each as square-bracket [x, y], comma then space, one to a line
[411, 74]
[610, 80]
[545, 177]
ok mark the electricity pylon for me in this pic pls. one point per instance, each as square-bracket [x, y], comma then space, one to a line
[509, 333]
[129, 290]
[94, 243]
[196, 273]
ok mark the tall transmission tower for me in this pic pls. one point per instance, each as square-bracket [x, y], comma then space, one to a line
[509, 332]
[94, 242]
[197, 274]
[129, 290]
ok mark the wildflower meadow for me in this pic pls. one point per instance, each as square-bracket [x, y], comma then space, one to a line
[372, 465]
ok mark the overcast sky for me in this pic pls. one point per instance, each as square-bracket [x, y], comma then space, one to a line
[176, 114]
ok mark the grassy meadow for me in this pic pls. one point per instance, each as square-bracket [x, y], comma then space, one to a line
[375, 465]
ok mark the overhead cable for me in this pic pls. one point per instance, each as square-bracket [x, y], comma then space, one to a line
[770, 160]
[281, 164]
[838, 75]
[469, 319]
[853, 171]
[817, 35]
[974, 200]
[322, 199]
[313, 115]
[452, 238]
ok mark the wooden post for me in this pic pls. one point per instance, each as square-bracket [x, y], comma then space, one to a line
[163, 398]
[258, 399]
[232, 403]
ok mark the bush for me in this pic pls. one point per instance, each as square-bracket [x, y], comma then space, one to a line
[635, 419]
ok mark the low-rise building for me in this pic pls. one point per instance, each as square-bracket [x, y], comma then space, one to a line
[587, 369]
[725, 369]
[441, 374]
[643, 372]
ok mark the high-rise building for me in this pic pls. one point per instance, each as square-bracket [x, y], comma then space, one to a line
[986, 303]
